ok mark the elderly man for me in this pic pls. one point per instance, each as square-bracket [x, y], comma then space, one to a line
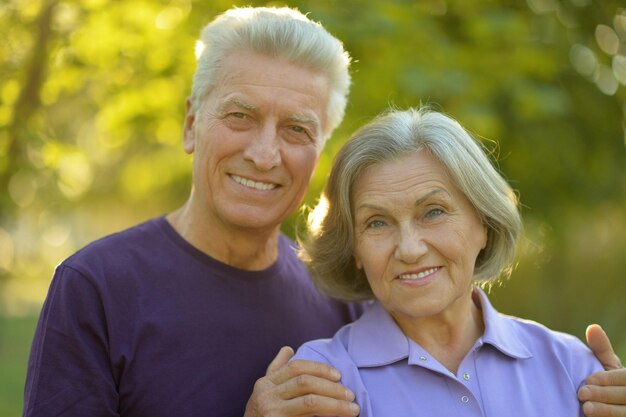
[179, 316]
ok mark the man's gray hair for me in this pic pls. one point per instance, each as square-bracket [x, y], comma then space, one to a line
[276, 32]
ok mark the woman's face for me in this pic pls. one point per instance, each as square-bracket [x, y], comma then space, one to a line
[417, 236]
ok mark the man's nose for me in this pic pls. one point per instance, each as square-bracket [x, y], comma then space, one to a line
[264, 149]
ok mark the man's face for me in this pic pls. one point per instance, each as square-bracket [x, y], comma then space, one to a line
[257, 138]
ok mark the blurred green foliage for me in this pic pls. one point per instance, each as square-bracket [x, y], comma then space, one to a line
[16, 333]
[92, 97]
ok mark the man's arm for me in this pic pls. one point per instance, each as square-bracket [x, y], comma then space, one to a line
[605, 392]
[69, 372]
[300, 388]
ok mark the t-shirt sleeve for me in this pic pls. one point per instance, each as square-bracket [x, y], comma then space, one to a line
[69, 371]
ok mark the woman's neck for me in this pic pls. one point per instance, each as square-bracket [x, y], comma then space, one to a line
[449, 336]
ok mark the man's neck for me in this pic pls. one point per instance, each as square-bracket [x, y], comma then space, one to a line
[240, 248]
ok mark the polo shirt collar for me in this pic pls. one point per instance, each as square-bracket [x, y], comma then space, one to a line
[500, 330]
[376, 340]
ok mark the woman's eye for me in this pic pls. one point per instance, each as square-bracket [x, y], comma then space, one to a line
[238, 115]
[374, 224]
[434, 212]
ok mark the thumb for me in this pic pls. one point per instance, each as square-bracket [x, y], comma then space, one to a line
[284, 354]
[600, 345]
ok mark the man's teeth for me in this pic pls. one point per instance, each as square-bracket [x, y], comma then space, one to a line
[420, 275]
[253, 184]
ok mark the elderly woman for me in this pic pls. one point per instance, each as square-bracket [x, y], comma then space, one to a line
[415, 216]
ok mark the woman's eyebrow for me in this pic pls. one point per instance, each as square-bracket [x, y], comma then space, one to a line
[423, 199]
[417, 203]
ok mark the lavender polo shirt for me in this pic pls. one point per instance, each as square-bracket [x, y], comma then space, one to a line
[517, 368]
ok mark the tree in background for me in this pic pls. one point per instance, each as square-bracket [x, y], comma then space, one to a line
[92, 103]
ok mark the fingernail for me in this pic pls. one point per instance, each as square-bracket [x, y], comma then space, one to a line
[584, 394]
[355, 409]
[350, 395]
[335, 374]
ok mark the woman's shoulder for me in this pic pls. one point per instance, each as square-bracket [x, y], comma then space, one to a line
[332, 351]
[533, 331]
[544, 341]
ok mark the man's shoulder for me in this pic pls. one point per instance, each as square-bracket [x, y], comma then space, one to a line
[118, 245]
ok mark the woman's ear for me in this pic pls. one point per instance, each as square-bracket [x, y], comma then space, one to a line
[357, 262]
[190, 118]
[486, 239]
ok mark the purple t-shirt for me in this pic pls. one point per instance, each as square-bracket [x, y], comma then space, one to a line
[518, 368]
[140, 323]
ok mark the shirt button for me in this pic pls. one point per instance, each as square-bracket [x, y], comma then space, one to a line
[466, 376]
[422, 358]
[465, 399]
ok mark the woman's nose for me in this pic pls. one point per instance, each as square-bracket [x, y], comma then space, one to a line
[410, 244]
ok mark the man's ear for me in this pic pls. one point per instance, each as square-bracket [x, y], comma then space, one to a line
[190, 117]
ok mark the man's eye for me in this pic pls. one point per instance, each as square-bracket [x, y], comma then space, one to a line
[299, 134]
[299, 130]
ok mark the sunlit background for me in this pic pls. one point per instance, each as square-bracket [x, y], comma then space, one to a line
[92, 101]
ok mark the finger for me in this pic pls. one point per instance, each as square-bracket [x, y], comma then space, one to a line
[284, 354]
[301, 367]
[592, 409]
[600, 345]
[303, 385]
[614, 378]
[314, 405]
[607, 395]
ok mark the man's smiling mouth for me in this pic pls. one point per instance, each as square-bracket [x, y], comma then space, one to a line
[263, 186]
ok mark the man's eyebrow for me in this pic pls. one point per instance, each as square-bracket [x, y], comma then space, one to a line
[298, 118]
[305, 119]
[232, 101]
